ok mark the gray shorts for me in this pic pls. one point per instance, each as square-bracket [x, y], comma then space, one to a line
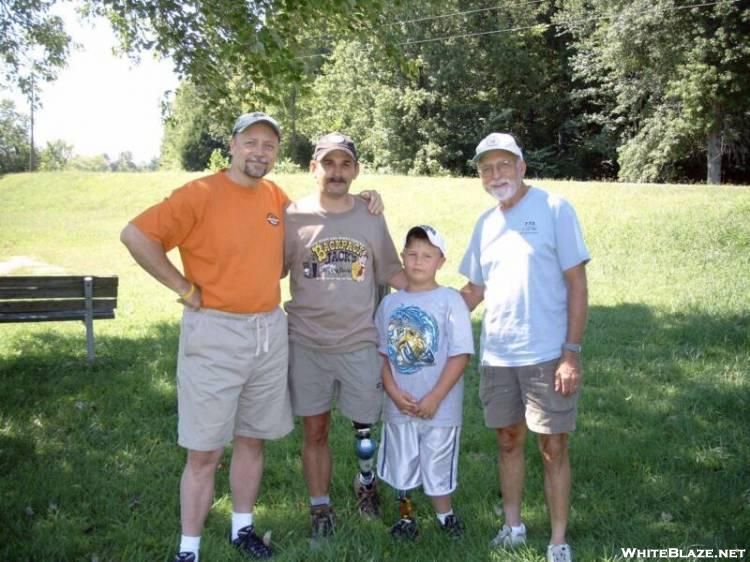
[353, 378]
[511, 394]
[232, 378]
[414, 454]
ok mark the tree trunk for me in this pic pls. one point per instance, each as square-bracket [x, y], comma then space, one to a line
[714, 159]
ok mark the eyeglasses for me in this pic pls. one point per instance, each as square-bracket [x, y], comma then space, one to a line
[501, 166]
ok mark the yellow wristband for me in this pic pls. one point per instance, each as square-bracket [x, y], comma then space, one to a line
[189, 293]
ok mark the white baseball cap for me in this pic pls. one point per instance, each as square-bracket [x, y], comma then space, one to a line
[497, 141]
[432, 235]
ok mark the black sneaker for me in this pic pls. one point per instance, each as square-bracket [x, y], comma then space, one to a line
[405, 529]
[251, 544]
[322, 522]
[453, 527]
[185, 557]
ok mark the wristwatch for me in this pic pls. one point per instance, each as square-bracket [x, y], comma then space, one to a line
[574, 347]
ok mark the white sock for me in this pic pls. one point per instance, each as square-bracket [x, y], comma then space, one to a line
[366, 481]
[315, 501]
[190, 544]
[240, 520]
[442, 516]
[521, 529]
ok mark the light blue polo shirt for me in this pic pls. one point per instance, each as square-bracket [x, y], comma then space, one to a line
[519, 256]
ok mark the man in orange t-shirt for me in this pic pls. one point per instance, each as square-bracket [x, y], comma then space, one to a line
[232, 359]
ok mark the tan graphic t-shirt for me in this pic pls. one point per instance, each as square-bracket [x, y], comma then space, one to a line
[335, 262]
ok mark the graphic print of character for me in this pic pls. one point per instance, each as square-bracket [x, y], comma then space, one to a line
[358, 268]
[412, 339]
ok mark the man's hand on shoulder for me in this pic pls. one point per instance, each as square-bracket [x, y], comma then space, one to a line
[569, 375]
[374, 201]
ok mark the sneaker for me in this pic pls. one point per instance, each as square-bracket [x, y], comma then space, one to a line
[453, 527]
[405, 529]
[322, 522]
[506, 538]
[368, 501]
[185, 557]
[559, 553]
[251, 544]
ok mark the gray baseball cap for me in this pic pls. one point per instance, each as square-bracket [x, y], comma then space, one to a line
[497, 141]
[247, 119]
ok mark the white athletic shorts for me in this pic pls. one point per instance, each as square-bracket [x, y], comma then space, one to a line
[415, 454]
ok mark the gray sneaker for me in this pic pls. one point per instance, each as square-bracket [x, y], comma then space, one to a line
[559, 553]
[506, 538]
[322, 522]
[368, 501]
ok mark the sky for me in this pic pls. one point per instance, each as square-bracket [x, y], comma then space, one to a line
[101, 102]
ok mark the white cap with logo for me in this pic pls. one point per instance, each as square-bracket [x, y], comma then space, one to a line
[432, 235]
[497, 141]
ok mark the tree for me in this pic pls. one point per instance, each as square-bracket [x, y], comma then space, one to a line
[124, 163]
[190, 133]
[33, 42]
[669, 79]
[55, 156]
[253, 51]
[14, 143]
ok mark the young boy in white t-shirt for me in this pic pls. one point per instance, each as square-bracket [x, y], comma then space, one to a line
[425, 334]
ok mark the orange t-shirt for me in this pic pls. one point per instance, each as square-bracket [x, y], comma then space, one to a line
[230, 237]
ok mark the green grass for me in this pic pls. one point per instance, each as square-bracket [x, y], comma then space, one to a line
[89, 467]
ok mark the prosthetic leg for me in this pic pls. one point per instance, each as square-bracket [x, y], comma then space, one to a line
[365, 484]
[406, 527]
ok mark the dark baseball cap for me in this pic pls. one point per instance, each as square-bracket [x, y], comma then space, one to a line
[335, 141]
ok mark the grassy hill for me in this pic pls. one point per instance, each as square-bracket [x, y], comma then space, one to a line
[89, 467]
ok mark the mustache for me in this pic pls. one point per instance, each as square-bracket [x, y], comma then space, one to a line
[501, 183]
[256, 160]
[336, 179]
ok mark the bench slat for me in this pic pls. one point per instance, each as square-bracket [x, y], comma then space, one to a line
[9, 307]
[54, 286]
[59, 316]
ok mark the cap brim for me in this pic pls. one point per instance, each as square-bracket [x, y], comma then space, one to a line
[324, 152]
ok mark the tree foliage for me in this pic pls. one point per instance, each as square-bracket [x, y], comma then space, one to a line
[14, 142]
[33, 43]
[55, 156]
[667, 78]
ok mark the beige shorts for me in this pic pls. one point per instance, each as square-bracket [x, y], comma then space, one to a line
[512, 394]
[352, 378]
[232, 378]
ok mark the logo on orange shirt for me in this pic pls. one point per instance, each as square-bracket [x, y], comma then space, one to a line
[272, 219]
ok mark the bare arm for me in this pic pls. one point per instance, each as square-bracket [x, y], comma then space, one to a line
[472, 294]
[568, 377]
[150, 255]
[452, 372]
[398, 280]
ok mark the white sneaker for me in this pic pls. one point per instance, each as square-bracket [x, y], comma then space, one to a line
[559, 553]
[507, 538]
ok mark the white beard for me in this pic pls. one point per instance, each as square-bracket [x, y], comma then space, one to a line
[504, 192]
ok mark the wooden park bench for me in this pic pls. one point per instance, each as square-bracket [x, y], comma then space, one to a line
[57, 298]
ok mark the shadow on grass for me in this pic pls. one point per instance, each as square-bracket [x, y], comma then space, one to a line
[90, 466]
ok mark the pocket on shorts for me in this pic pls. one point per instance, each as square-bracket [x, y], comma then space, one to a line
[190, 336]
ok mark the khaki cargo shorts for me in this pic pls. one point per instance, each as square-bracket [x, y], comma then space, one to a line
[232, 378]
[352, 378]
[511, 394]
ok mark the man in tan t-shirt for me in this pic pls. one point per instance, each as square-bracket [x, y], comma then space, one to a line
[337, 254]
